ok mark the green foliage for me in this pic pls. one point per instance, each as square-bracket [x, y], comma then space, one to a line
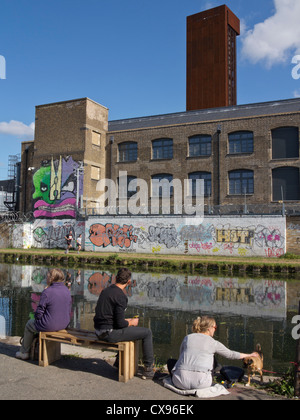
[290, 256]
[284, 385]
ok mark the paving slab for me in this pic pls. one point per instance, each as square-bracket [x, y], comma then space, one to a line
[87, 374]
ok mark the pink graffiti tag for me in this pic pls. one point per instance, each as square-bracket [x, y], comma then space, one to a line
[110, 234]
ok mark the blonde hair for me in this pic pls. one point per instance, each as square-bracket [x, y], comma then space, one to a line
[56, 276]
[202, 324]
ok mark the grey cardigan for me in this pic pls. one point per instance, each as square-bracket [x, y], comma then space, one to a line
[197, 353]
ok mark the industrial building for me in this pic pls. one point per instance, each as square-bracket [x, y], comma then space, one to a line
[247, 155]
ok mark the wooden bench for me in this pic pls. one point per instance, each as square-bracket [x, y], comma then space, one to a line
[50, 349]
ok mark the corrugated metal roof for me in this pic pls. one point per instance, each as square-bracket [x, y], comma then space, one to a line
[215, 114]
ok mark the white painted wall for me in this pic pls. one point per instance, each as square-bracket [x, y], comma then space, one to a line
[263, 236]
[234, 236]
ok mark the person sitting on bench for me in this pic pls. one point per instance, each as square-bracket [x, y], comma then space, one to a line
[53, 312]
[110, 323]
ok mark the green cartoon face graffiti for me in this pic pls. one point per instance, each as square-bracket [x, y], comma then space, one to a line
[41, 182]
[55, 189]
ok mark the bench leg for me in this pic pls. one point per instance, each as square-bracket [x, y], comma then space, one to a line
[124, 365]
[49, 352]
[134, 358]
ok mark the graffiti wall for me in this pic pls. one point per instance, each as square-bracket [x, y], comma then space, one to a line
[229, 236]
[22, 235]
[191, 293]
[55, 189]
[51, 234]
[46, 233]
[243, 236]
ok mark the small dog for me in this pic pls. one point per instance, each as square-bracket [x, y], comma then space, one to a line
[254, 364]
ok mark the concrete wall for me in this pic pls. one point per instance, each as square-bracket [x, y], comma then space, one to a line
[230, 236]
[242, 236]
[46, 233]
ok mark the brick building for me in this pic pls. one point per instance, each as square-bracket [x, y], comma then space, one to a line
[211, 59]
[247, 155]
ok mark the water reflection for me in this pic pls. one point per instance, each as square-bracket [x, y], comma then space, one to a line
[247, 310]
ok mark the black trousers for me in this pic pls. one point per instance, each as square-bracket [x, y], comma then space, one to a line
[134, 334]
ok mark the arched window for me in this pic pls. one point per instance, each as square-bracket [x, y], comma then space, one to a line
[200, 145]
[206, 176]
[286, 183]
[241, 182]
[128, 151]
[162, 185]
[241, 142]
[285, 143]
[162, 149]
[124, 191]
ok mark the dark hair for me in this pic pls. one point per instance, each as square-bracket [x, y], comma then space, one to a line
[123, 276]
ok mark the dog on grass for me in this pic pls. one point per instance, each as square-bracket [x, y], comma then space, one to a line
[254, 364]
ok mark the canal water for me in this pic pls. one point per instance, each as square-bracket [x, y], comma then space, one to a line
[247, 310]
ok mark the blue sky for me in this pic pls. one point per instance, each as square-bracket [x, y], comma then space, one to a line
[129, 55]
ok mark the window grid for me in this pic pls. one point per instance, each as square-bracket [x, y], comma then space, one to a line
[162, 149]
[206, 176]
[200, 146]
[128, 152]
[241, 142]
[162, 190]
[241, 182]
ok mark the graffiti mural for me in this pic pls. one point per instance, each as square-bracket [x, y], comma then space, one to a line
[51, 233]
[112, 234]
[243, 236]
[251, 236]
[55, 189]
[163, 235]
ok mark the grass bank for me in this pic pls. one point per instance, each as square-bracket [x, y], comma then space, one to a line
[284, 266]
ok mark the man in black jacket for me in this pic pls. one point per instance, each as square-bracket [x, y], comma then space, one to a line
[112, 326]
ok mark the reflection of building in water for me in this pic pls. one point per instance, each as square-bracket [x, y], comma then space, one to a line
[247, 310]
[14, 311]
[189, 293]
[2, 326]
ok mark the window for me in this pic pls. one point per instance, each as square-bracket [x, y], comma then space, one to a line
[286, 184]
[124, 189]
[165, 186]
[200, 146]
[162, 149]
[240, 142]
[285, 143]
[95, 173]
[206, 176]
[128, 152]
[241, 182]
[96, 138]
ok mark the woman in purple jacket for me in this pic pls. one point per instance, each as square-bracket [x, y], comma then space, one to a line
[52, 314]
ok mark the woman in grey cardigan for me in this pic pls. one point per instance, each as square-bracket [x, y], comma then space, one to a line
[193, 370]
